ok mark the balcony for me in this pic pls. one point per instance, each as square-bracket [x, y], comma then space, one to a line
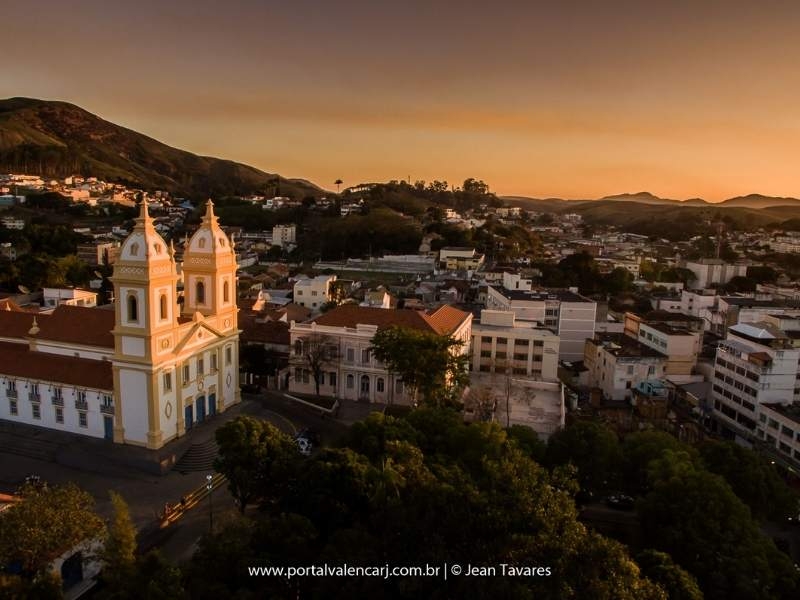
[34, 397]
[11, 394]
[58, 400]
[106, 410]
[81, 405]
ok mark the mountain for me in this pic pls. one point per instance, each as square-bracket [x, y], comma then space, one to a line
[57, 139]
[759, 201]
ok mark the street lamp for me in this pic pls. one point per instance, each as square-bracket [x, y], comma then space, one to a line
[210, 488]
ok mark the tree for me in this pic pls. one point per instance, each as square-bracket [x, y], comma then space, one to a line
[640, 449]
[47, 522]
[592, 448]
[155, 579]
[661, 569]
[253, 456]
[317, 351]
[338, 183]
[481, 402]
[752, 477]
[695, 516]
[119, 549]
[430, 364]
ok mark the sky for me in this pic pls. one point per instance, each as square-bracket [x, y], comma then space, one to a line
[574, 99]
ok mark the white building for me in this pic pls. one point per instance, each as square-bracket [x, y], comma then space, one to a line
[756, 364]
[352, 371]
[53, 297]
[145, 372]
[568, 314]
[284, 235]
[502, 344]
[12, 223]
[679, 344]
[313, 292]
[709, 271]
[616, 363]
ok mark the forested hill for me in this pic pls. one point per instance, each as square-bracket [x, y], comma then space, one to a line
[57, 139]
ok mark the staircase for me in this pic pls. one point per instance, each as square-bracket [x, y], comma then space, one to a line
[199, 457]
[28, 445]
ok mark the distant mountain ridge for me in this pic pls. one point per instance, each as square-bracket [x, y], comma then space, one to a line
[756, 201]
[56, 139]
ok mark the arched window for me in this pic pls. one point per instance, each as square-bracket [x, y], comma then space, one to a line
[162, 302]
[226, 292]
[133, 308]
[201, 243]
[200, 292]
[379, 385]
[134, 249]
[350, 382]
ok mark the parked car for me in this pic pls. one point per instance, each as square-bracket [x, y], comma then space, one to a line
[309, 434]
[620, 502]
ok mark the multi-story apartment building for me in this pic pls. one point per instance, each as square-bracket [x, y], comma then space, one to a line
[756, 365]
[502, 344]
[284, 235]
[708, 271]
[617, 363]
[313, 292]
[350, 369]
[779, 427]
[460, 259]
[677, 337]
[568, 314]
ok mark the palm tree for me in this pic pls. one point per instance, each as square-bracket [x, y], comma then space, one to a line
[338, 182]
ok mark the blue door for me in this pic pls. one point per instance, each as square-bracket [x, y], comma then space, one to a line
[200, 404]
[212, 405]
[108, 427]
[188, 417]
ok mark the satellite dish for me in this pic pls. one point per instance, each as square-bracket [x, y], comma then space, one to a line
[98, 274]
[23, 289]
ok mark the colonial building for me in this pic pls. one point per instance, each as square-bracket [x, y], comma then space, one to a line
[147, 371]
[351, 371]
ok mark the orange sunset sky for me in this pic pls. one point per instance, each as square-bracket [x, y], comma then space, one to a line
[570, 99]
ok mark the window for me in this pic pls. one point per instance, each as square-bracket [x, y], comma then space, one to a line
[59, 414]
[107, 401]
[298, 348]
[500, 355]
[314, 292]
[332, 378]
[486, 339]
[201, 367]
[486, 353]
[226, 292]
[519, 371]
[502, 340]
[82, 397]
[200, 292]
[133, 308]
[351, 355]
[651, 370]
[12, 407]
[630, 369]
[305, 375]
[398, 386]
[37, 411]
[365, 356]
[538, 343]
[523, 343]
[167, 382]
[298, 374]
[228, 355]
[213, 362]
[162, 303]
[82, 420]
[379, 385]
[350, 382]
[185, 374]
[520, 356]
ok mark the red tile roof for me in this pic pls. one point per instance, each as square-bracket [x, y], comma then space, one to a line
[78, 325]
[267, 332]
[16, 360]
[68, 324]
[443, 321]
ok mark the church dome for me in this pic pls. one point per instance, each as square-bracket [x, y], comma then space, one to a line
[144, 244]
[209, 241]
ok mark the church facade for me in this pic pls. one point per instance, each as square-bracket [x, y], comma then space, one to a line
[146, 372]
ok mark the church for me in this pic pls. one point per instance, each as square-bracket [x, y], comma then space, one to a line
[145, 372]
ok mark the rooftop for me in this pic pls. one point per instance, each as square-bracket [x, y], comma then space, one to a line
[443, 321]
[624, 346]
[540, 295]
[17, 360]
[790, 411]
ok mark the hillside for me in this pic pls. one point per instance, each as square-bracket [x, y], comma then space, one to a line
[57, 139]
[759, 201]
[754, 201]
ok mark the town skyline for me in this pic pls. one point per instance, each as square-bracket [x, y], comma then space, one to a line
[554, 102]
